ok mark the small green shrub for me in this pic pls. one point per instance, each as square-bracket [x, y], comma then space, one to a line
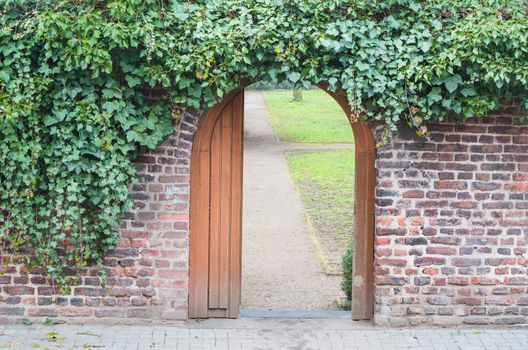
[346, 284]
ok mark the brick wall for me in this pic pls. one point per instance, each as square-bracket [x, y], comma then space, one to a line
[452, 225]
[451, 234]
[148, 272]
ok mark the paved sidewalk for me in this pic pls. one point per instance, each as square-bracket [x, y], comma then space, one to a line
[249, 334]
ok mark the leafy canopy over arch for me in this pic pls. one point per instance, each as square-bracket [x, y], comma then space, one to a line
[75, 75]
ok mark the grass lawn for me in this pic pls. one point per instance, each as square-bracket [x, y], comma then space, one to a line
[317, 118]
[325, 180]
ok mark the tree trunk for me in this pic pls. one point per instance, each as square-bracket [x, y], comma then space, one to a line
[297, 95]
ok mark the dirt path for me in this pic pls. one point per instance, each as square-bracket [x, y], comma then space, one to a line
[280, 269]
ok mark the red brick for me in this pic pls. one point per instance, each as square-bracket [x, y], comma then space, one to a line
[441, 250]
[19, 290]
[431, 271]
[414, 194]
[75, 312]
[466, 262]
[468, 301]
[461, 281]
[383, 251]
[172, 216]
[173, 274]
[391, 262]
[428, 261]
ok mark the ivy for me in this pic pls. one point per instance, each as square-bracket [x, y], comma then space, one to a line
[76, 76]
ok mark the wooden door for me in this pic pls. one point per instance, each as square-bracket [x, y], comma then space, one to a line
[216, 211]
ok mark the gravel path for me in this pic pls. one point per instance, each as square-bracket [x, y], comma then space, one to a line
[280, 270]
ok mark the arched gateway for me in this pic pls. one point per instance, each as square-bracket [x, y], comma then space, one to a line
[451, 228]
[216, 212]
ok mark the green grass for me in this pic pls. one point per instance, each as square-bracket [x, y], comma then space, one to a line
[318, 118]
[325, 180]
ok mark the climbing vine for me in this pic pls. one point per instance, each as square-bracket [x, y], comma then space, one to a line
[76, 79]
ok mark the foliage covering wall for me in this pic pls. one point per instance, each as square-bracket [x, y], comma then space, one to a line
[75, 76]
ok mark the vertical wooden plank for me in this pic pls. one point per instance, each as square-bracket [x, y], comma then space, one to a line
[363, 269]
[368, 310]
[360, 264]
[225, 205]
[199, 251]
[236, 205]
[215, 234]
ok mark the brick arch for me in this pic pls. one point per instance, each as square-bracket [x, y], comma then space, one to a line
[365, 179]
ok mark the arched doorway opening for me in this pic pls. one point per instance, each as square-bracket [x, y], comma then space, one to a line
[216, 211]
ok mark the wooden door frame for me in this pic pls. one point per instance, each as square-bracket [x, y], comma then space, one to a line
[365, 183]
[364, 212]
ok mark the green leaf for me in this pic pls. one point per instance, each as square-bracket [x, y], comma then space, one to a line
[332, 81]
[468, 91]
[49, 120]
[425, 46]
[109, 106]
[165, 81]
[434, 96]
[415, 6]
[4, 75]
[294, 76]
[452, 82]
[132, 80]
